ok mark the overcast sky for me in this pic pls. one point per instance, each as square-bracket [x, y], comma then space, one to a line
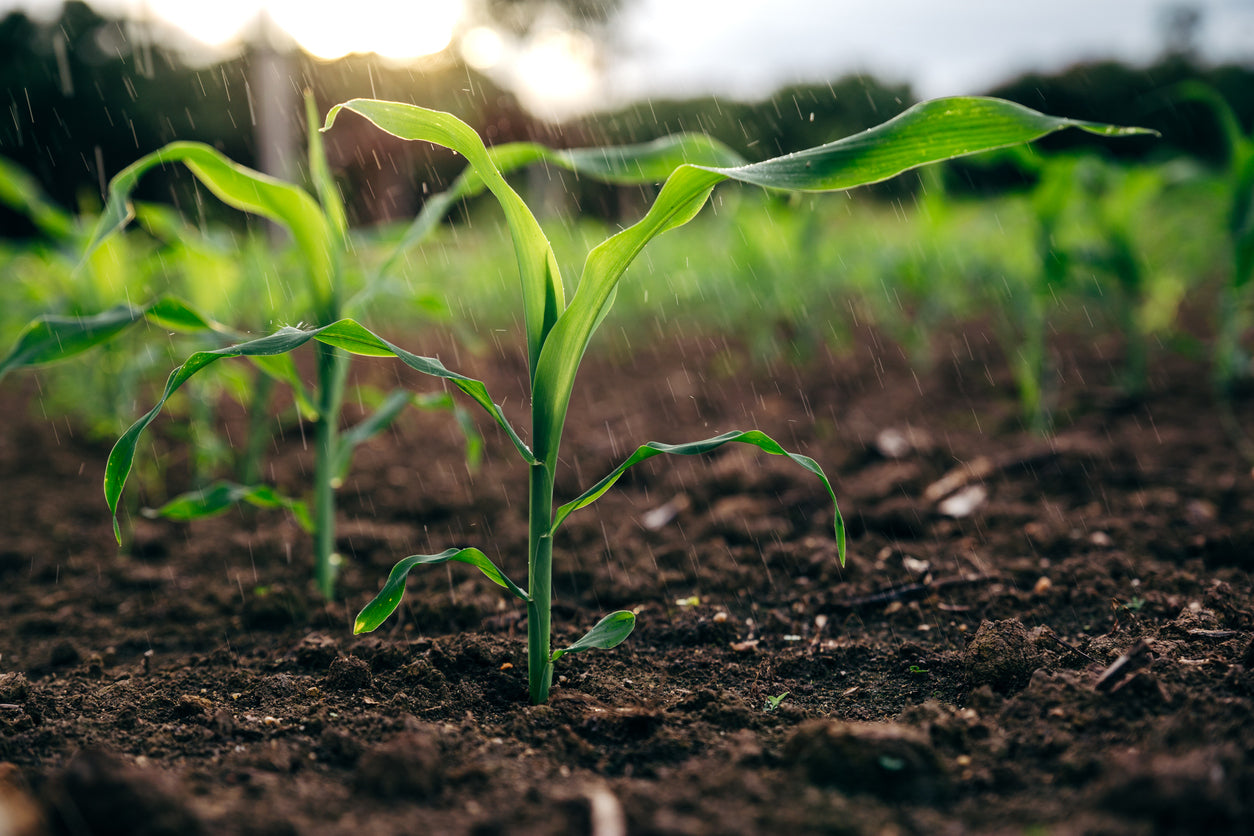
[943, 46]
[746, 48]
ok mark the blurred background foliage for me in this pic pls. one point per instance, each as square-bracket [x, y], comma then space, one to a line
[88, 93]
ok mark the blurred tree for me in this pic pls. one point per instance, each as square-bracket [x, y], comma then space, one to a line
[519, 16]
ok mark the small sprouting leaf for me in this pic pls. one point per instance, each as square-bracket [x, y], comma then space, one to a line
[773, 703]
[220, 496]
[755, 438]
[608, 632]
[389, 597]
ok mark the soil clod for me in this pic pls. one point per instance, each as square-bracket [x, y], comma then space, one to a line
[1001, 655]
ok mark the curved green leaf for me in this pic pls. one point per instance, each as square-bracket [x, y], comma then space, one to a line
[606, 633]
[754, 438]
[320, 173]
[389, 598]
[474, 441]
[50, 338]
[22, 193]
[543, 294]
[375, 423]
[925, 133]
[346, 334]
[240, 188]
[649, 162]
[220, 496]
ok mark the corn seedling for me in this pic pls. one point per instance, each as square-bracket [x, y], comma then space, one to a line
[320, 233]
[558, 333]
[1232, 362]
[773, 702]
[318, 228]
[1145, 295]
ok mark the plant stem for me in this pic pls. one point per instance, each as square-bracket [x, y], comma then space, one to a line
[248, 467]
[540, 582]
[332, 370]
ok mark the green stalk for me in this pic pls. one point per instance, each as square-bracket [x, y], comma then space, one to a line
[332, 370]
[540, 581]
[248, 468]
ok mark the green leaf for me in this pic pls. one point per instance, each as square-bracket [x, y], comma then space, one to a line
[474, 440]
[377, 422]
[925, 133]
[649, 162]
[389, 598]
[608, 632]
[346, 334]
[220, 496]
[240, 188]
[324, 184]
[50, 338]
[282, 368]
[754, 438]
[22, 193]
[543, 294]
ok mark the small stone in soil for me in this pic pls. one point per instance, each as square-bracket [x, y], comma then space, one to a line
[1001, 655]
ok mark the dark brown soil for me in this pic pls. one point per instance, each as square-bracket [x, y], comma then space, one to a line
[958, 675]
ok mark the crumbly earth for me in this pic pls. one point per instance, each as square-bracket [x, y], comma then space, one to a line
[962, 673]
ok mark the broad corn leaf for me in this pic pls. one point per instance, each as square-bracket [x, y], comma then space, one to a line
[650, 162]
[926, 133]
[240, 188]
[389, 597]
[345, 334]
[754, 438]
[543, 294]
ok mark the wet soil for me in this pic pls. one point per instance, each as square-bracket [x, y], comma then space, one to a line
[1030, 635]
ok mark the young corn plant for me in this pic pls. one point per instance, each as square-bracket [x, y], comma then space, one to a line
[1232, 361]
[319, 231]
[1145, 295]
[558, 333]
[332, 291]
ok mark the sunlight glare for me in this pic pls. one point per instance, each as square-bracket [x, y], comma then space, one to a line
[557, 73]
[392, 30]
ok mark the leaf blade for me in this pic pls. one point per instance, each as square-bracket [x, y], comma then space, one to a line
[240, 188]
[610, 631]
[543, 293]
[389, 597]
[215, 499]
[925, 133]
[755, 438]
[346, 334]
